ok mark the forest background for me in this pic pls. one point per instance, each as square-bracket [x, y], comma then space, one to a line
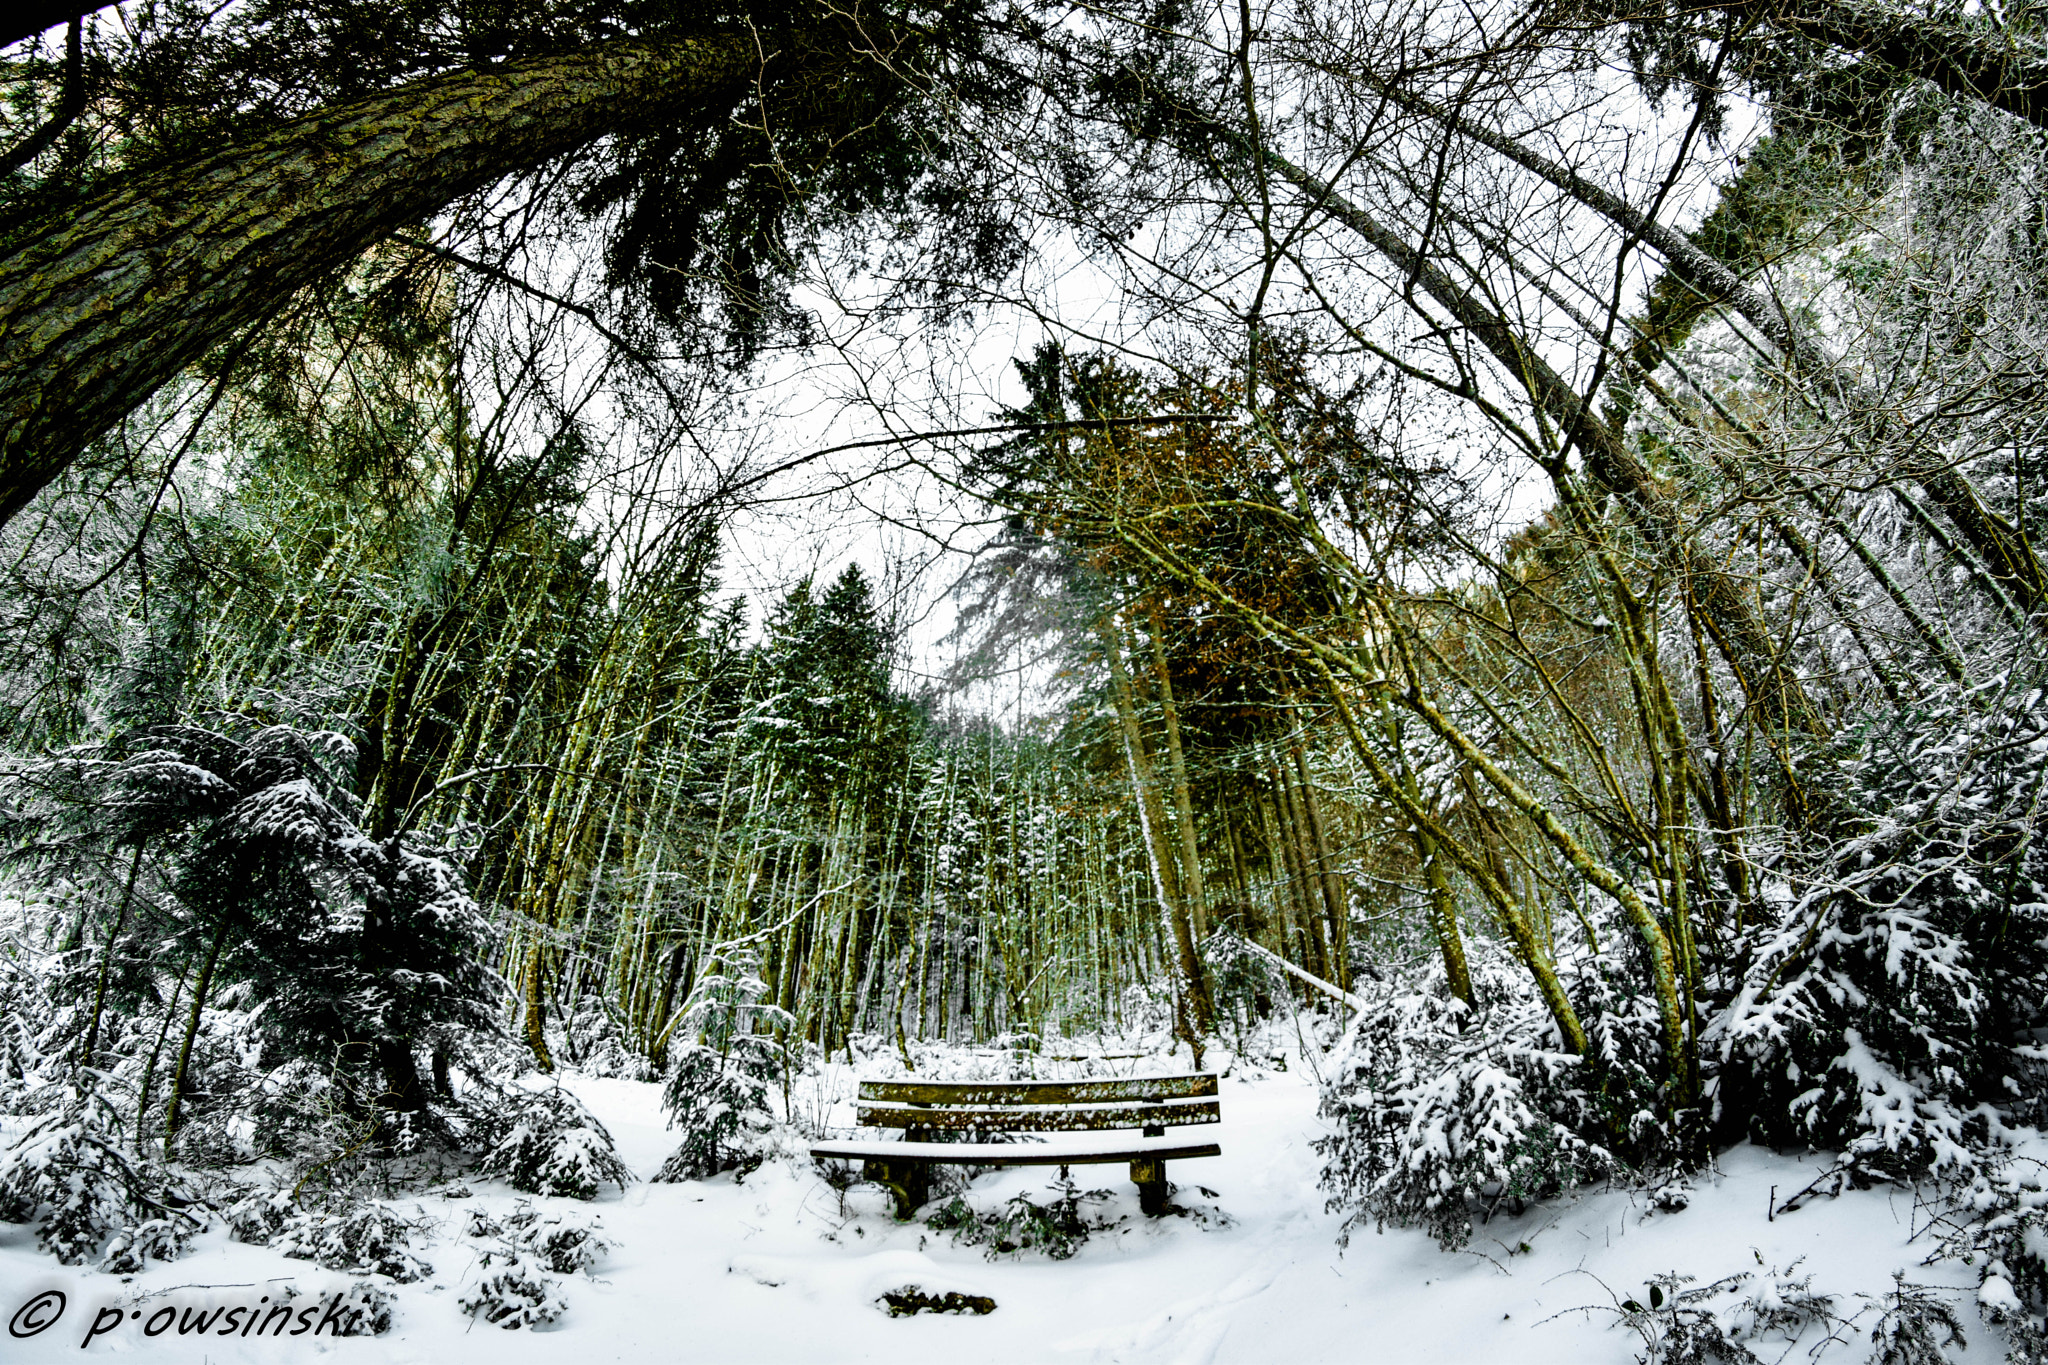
[1519, 524]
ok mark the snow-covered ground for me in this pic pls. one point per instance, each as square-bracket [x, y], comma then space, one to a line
[780, 1268]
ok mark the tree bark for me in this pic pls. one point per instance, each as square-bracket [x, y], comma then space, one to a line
[1280, 867]
[1153, 813]
[1192, 880]
[71, 103]
[403, 1091]
[172, 1116]
[156, 1053]
[90, 1049]
[534, 1024]
[1327, 878]
[1307, 883]
[1443, 914]
[142, 282]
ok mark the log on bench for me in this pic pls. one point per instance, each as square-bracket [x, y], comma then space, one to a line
[1150, 1104]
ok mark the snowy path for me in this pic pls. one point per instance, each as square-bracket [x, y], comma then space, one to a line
[773, 1270]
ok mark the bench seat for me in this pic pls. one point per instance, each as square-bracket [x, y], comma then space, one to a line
[1122, 1148]
[1041, 1118]
[1081, 1115]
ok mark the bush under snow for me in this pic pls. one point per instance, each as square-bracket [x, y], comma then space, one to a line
[70, 1175]
[544, 1142]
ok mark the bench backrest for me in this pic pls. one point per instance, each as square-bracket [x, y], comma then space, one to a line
[1040, 1106]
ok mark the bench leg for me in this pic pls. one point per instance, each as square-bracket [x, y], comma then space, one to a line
[908, 1181]
[1150, 1178]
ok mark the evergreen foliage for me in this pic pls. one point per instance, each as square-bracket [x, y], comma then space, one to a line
[1915, 1325]
[512, 1292]
[1057, 1228]
[721, 1102]
[70, 1174]
[1443, 1110]
[543, 1142]
[563, 1243]
[367, 1240]
[353, 948]
[374, 725]
[719, 1090]
[365, 1310]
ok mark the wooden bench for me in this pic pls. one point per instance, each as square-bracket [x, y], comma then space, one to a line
[921, 1109]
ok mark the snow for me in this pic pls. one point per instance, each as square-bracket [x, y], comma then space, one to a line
[778, 1267]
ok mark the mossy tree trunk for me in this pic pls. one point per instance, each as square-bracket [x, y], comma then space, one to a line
[144, 281]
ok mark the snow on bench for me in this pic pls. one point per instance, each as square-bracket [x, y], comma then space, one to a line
[1066, 1108]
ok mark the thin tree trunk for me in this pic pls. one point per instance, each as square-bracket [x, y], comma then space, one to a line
[1152, 813]
[1996, 542]
[155, 1055]
[1443, 914]
[99, 995]
[1193, 883]
[199, 990]
[534, 1026]
[1327, 877]
[1300, 899]
[1403, 792]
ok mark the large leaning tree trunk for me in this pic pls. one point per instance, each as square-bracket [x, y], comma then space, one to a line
[142, 282]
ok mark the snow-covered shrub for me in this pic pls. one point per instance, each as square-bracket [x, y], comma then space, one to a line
[1242, 983]
[592, 1042]
[721, 1102]
[344, 949]
[513, 1292]
[1439, 1109]
[719, 1084]
[1680, 1323]
[159, 1239]
[1146, 1007]
[1779, 1306]
[258, 1217]
[561, 1242]
[369, 1240]
[1914, 1324]
[721, 1079]
[296, 1112]
[1999, 1224]
[1678, 1326]
[338, 1150]
[213, 1130]
[1058, 1228]
[543, 1142]
[28, 1020]
[365, 1310]
[69, 1174]
[1890, 1005]
[2026, 1341]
